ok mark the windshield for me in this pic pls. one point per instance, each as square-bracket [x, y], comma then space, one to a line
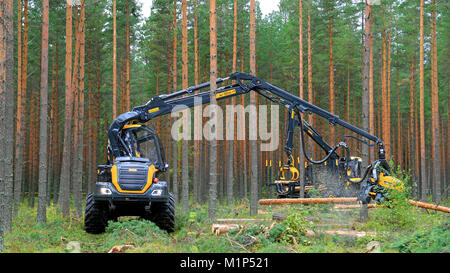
[146, 147]
[143, 142]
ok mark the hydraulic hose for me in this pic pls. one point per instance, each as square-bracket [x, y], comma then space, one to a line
[340, 144]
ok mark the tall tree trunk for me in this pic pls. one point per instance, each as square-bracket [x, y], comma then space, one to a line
[6, 115]
[399, 149]
[231, 161]
[197, 117]
[66, 160]
[332, 137]
[435, 131]
[387, 126]
[20, 115]
[213, 113]
[244, 150]
[54, 152]
[43, 125]
[174, 89]
[185, 147]
[301, 93]
[78, 179]
[310, 88]
[371, 90]
[253, 120]
[91, 128]
[366, 92]
[421, 107]
[384, 98]
[127, 78]
[2, 121]
[114, 61]
[75, 89]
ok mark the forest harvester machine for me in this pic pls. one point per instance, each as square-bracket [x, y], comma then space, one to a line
[128, 184]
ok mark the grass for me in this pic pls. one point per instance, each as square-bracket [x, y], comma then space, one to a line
[400, 229]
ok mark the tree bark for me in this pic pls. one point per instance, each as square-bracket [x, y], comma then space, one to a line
[213, 116]
[197, 117]
[253, 120]
[114, 61]
[301, 94]
[310, 87]
[332, 136]
[421, 107]
[185, 147]
[174, 89]
[231, 162]
[20, 116]
[7, 116]
[128, 67]
[66, 160]
[366, 92]
[435, 123]
[42, 201]
[78, 179]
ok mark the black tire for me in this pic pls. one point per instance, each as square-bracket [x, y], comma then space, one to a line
[95, 216]
[163, 214]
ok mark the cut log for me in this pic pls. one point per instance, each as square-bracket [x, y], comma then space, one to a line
[290, 201]
[222, 221]
[352, 233]
[429, 206]
[121, 248]
[340, 206]
[223, 228]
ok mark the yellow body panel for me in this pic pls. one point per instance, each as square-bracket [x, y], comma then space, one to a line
[151, 171]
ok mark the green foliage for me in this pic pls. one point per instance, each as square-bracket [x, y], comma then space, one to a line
[432, 241]
[296, 227]
[193, 233]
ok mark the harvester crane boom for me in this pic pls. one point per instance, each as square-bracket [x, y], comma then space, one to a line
[165, 104]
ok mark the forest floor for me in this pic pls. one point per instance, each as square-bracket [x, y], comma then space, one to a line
[307, 229]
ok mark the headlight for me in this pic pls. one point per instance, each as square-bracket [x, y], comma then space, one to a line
[105, 191]
[156, 192]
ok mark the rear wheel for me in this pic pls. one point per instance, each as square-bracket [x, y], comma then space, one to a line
[95, 216]
[163, 214]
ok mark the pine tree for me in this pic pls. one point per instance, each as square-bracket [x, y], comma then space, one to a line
[435, 131]
[253, 120]
[42, 203]
[213, 114]
[20, 116]
[421, 107]
[114, 60]
[66, 158]
[185, 155]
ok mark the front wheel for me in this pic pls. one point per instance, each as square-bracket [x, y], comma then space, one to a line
[163, 214]
[95, 216]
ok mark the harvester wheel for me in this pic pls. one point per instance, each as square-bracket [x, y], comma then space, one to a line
[95, 216]
[163, 214]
